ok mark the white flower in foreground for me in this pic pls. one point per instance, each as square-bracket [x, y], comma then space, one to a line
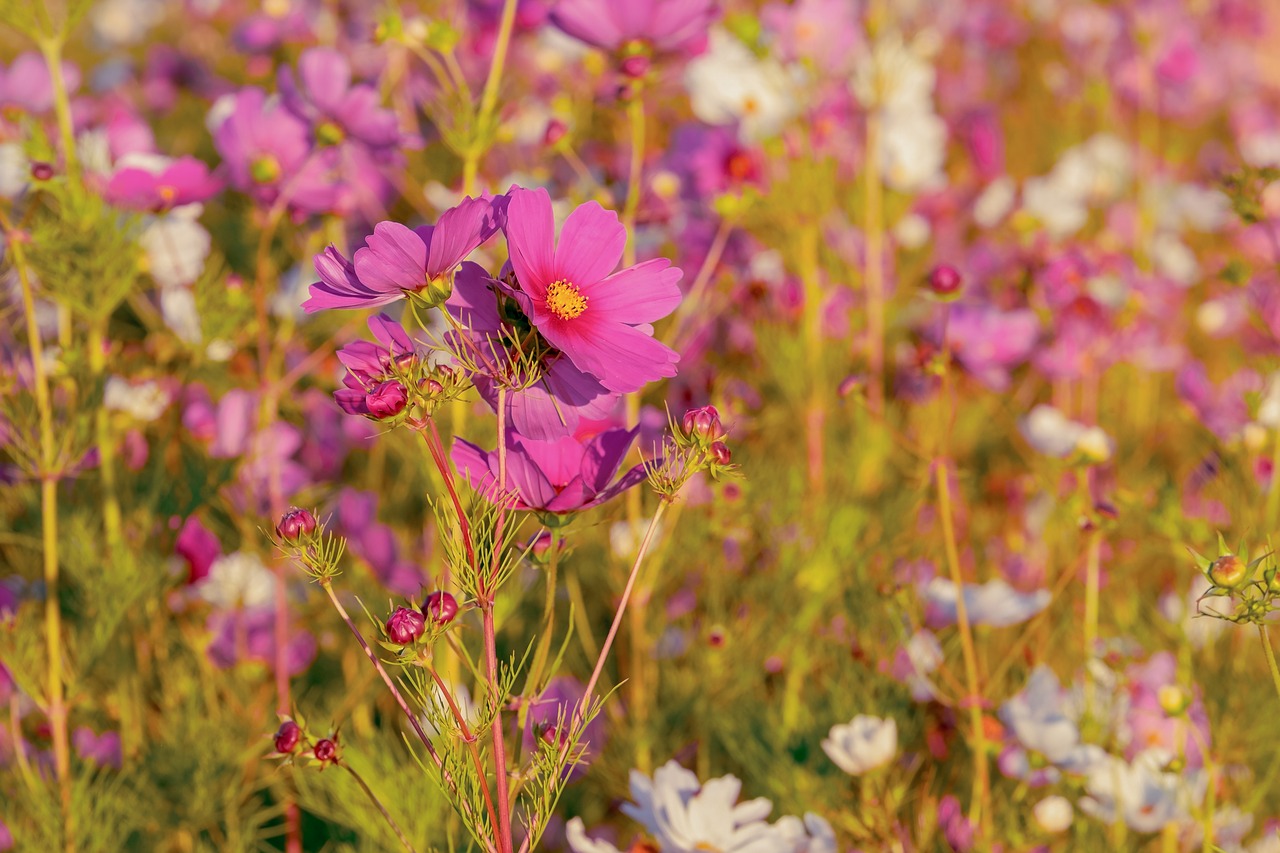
[862, 744]
[994, 603]
[579, 842]
[730, 83]
[144, 401]
[684, 816]
[238, 579]
[1140, 792]
[1054, 814]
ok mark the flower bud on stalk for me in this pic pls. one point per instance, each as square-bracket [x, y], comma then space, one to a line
[945, 281]
[295, 523]
[326, 751]
[288, 736]
[703, 422]
[1228, 571]
[440, 607]
[387, 400]
[405, 626]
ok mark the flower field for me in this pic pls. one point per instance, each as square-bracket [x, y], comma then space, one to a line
[753, 426]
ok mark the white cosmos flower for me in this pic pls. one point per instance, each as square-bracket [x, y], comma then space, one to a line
[1039, 718]
[894, 77]
[1054, 813]
[993, 603]
[862, 744]
[15, 170]
[913, 150]
[729, 83]
[995, 202]
[1051, 432]
[1140, 792]
[176, 245]
[144, 401]
[238, 579]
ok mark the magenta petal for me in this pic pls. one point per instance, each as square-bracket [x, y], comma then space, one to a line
[583, 20]
[569, 498]
[457, 234]
[560, 461]
[473, 466]
[623, 358]
[590, 246]
[340, 288]
[530, 230]
[395, 258]
[473, 303]
[640, 294]
[326, 76]
[604, 456]
[636, 475]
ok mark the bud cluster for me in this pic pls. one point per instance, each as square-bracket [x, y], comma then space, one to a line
[696, 444]
[303, 539]
[419, 627]
[292, 743]
[1252, 586]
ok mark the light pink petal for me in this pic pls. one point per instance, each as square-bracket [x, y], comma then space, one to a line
[586, 21]
[640, 294]
[530, 230]
[326, 75]
[395, 258]
[591, 245]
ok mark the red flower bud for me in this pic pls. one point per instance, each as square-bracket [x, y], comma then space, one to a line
[326, 751]
[387, 400]
[945, 280]
[41, 171]
[720, 453]
[555, 132]
[703, 422]
[288, 737]
[440, 607]
[405, 626]
[295, 523]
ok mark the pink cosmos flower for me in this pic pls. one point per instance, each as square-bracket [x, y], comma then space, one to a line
[552, 476]
[184, 181]
[397, 260]
[661, 26]
[369, 391]
[563, 396]
[600, 321]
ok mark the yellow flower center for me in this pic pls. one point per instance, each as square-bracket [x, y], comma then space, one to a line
[565, 300]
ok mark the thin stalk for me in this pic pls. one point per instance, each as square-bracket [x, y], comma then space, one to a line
[488, 98]
[873, 263]
[1271, 656]
[692, 306]
[386, 815]
[635, 120]
[51, 48]
[982, 782]
[816, 415]
[49, 535]
[617, 616]
[436, 448]
[504, 839]
[1092, 583]
[470, 740]
[111, 513]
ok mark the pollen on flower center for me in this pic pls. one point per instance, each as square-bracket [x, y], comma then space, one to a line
[565, 300]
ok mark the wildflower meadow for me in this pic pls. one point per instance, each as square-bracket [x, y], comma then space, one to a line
[645, 426]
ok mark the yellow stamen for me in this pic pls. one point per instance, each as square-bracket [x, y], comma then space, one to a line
[565, 300]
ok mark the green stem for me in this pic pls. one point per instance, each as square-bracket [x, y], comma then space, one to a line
[49, 533]
[386, 815]
[51, 48]
[635, 119]
[873, 266]
[816, 417]
[1271, 657]
[1091, 589]
[504, 839]
[111, 513]
[488, 100]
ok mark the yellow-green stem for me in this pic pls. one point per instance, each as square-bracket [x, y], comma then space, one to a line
[873, 268]
[635, 120]
[49, 536]
[111, 514]
[488, 99]
[51, 48]
[1092, 581]
[386, 815]
[982, 782]
[1271, 657]
[816, 417]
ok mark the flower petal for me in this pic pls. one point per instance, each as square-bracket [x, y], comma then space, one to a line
[640, 294]
[395, 258]
[590, 246]
[530, 230]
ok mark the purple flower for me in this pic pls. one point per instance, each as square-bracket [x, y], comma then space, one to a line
[242, 635]
[989, 342]
[370, 391]
[267, 150]
[557, 706]
[551, 407]
[103, 749]
[199, 547]
[552, 476]
[324, 96]
[375, 543]
[396, 260]
[658, 26]
[184, 181]
[26, 84]
[600, 321]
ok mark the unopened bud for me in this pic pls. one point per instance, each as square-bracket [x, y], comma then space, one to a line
[635, 66]
[703, 422]
[405, 626]
[1173, 699]
[296, 523]
[288, 736]
[440, 607]
[1228, 571]
[555, 131]
[387, 400]
[541, 544]
[41, 171]
[945, 280]
[720, 453]
[326, 751]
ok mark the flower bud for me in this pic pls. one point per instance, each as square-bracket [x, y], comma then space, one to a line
[945, 280]
[720, 453]
[1228, 571]
[41, 171]
[555, 131]
[635, 66]
[440, 607]
[296, 523]
[288, 736]
[703, 422]
[1173, 699]
[541, 544]
[326, 751]
[405, 626]
[1054, 814]
[387, 400]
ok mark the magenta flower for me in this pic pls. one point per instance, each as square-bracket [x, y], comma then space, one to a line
[266, 149]
[397, 260]
[324, 96]
[600, 321]
[659, 26]
[184, 181]
[26, 84]
[552, 476]
[552, 407]
[370, 390]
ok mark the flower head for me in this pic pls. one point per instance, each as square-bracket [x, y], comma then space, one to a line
[169, 185]
[638, 28]
[862, 744]
[370, 389]
[597, 319]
